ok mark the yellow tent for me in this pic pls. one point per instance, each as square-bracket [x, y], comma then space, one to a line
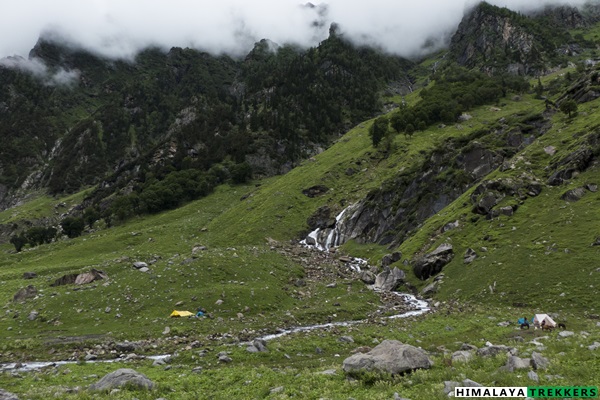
[181, 314]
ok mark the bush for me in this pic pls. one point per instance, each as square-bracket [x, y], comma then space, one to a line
[72, 226]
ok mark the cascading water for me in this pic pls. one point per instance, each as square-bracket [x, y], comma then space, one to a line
[327, 238]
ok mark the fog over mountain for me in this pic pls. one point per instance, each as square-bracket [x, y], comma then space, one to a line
[118, 28]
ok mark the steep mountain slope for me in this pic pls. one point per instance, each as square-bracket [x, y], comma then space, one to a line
[498, 40]
[117, 121]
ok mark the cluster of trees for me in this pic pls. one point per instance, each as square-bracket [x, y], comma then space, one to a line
[38, 235]
[455, 90]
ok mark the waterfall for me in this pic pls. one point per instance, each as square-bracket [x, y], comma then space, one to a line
[328, 238]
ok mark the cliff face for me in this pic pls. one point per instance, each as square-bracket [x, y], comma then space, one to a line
[495, 40]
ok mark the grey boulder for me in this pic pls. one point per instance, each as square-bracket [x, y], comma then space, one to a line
[122, 377]
[389, 280]
[390, 356]
[4, 395]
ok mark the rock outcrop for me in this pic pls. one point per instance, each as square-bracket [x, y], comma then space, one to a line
[431, 264]
[496, 40]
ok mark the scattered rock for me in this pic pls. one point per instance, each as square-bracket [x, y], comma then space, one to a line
[346, 339]
[470, 383]
[539, 362]
[431, 289]
[389, 280]
[23, 294]
[493, 350]
[594, 346]
[257, 346]
[225, 359]
[450, 226]
[565, 334]
[219, 302]
[449, 386]
[573, 194]
[123, 377]
[144, 269]
[513, 363]
[550, 150]
[461, 356]
[278, 389]
[4, 395]
[29, 275]
[389, 356]
[315, 191]
[391, 258]
[432, 263]
[367, 277]
[33, 315]
[166, 331]
[467, 347]
[198, 249]
[533, 376]
[140, 264]
[470, 256]
[592, 187]
[329, 372]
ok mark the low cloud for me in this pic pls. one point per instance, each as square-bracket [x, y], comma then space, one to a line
[37, 68]
[119, 29]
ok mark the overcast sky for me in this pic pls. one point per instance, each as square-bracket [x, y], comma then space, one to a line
[118, 28]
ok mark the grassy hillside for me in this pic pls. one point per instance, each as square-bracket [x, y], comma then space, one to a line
[252, 280]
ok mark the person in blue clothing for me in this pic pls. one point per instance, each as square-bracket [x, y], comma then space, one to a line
[201, 312]
[524, 323]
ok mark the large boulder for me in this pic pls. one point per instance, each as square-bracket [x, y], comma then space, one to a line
[4, 395]
[389, 280]
[432, 263]
[513, 363]
[390, 356]
[573, 194]
[123, 377]
[67, 279]
[538, 361]
[25, 293]
[493, 350]
[89, 277]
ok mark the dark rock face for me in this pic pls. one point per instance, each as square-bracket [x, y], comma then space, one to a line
[564, 16]
[391, 258]
[121, 377]
[575, 162]
[315, 191]
[390, 356]
[29, 275]
[65, 280]
[432, 263]
[484, 33]
[321, 219]
[25, 293]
